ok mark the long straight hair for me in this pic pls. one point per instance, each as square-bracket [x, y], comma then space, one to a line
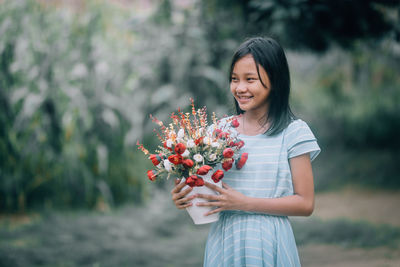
[269, 54]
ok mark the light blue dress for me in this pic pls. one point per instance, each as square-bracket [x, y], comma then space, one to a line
[254, 239]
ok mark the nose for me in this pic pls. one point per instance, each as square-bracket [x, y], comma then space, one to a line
[241, 87]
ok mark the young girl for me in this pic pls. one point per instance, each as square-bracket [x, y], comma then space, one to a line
[276, 181]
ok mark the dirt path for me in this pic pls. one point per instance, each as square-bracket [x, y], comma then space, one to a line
[378, 207]
[336, 256]
[381, 207]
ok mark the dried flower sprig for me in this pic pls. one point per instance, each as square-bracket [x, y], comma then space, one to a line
[191, 149]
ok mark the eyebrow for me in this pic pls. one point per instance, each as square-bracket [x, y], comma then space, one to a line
[247, 73]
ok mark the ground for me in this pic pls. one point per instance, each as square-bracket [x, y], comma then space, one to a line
[374, 206]
[156, 234]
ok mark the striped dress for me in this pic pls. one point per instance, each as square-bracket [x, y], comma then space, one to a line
[241, 238]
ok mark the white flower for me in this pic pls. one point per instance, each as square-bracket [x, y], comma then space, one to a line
[169, 143]
[181, 133]
[185, 154]
[171, 134]
[207, 140]
[190, 143]
[212, 157]
[167, 165]
[215, 144]
[198, 158]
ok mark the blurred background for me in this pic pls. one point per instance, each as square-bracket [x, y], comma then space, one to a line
[79, 79]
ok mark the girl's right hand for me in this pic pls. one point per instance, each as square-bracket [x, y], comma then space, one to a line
[179, 197]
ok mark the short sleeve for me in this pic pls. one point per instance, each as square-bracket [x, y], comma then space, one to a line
[301, 140]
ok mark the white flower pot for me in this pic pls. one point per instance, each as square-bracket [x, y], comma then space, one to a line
[197, 212]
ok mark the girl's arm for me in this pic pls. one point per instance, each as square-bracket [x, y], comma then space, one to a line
[299, 204]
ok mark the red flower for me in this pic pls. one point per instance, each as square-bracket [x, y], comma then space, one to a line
[223, 135]
[156, 159]
[240, 144]
[199, 182]
[242, 160]
[217, 131]
[227, 164]
[194, 180]
[228, 153]
[217, 176]
[203, 170]
[187, 163]
[151, 175]
[165, 145]
[180, 148]
[175, 159]
[235, 123]
[199, 140]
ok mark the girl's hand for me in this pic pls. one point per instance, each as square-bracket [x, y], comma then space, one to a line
[179, 197]
[228, 199]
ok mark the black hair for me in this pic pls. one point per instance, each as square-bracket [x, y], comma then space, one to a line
[269, 54]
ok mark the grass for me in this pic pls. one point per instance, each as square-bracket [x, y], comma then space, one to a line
[155, 234]
[152, 235]
[345, 233]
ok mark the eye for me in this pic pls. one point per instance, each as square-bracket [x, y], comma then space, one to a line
[234, 79]
[251, 79]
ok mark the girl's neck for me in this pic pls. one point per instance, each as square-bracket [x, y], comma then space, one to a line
[255, 118]
[253, 124]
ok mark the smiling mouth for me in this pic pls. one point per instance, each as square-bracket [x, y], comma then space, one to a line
[244, 98]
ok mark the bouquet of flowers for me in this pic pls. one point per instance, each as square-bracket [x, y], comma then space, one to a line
[191, 149]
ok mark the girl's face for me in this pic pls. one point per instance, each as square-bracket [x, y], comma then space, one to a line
[246, 86]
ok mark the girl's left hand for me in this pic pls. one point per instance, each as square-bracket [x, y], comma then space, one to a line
[228, 199]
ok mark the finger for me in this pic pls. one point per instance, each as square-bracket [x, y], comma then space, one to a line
[177, 181]
[207, 196]
[208, 204]
[184, 206]
[213, 211]
[184, 200]
[178, 188]
[175, 189]
[214, 187]
[226, 186]
[181, 194]
[185, 192]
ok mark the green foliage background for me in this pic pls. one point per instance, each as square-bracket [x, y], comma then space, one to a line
[77, 86]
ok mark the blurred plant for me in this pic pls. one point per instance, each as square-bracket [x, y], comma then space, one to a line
[305, 24]
[70, 107]
[77, 85]
[362, 94]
